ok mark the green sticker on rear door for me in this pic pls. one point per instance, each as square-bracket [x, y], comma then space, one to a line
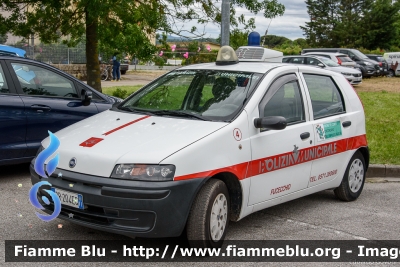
[328, 130]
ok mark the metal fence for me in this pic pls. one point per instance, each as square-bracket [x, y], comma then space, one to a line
[55, 53]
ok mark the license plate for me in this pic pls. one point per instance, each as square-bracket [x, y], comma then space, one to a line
[385, 69]
[69, 198]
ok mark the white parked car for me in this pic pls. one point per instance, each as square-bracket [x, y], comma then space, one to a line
[209, 143]
[354, 76]
[341, 59]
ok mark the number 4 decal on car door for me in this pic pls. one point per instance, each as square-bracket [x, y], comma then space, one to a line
[237, 134]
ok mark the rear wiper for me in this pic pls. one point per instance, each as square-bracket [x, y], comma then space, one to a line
[178, 113]
[135, 110]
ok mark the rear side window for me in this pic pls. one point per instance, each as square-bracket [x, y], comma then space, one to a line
[3, 84]
[297, 60]
[325, 97]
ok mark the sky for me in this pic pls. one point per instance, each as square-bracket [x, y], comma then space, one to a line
[287, 25]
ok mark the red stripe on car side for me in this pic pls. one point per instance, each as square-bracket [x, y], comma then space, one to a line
[276, 162]
[125, 125]
[239, 170]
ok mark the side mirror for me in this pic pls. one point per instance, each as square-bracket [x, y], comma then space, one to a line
[321, 65]
[86, 97]
[271, 123]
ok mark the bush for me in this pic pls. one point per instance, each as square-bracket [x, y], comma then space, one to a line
[121, 93]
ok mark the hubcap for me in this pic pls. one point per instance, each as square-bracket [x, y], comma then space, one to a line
[219, 216]
[356, 175]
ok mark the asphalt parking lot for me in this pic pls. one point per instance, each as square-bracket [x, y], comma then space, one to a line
[319, 216]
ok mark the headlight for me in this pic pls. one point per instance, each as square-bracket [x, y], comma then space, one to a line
[367, 63]
[346, 74]
[144, 172]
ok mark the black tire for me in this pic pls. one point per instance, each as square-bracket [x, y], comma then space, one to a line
[353, 180]
[198, 226]
[123, 71]
[390, 73]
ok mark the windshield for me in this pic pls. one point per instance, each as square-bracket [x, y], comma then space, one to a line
[329, 62]
[202, 94]
[358, 54]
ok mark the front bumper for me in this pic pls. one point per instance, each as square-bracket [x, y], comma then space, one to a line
[131, 208]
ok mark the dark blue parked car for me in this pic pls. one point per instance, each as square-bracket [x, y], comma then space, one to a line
[36, 98]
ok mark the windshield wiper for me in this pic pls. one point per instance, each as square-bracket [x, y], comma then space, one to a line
[178, 113]
[135, 110]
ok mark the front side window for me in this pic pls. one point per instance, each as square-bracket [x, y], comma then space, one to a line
[42, 82]
[202, 94]
[325, 96]
[286, 102]
[3, 83]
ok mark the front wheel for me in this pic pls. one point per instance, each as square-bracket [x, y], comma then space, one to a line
[209, 216]
[353, 179]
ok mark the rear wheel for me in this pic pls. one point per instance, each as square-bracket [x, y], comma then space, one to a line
[209, 216]
[123, 71]
[390, 73]
[353, 179]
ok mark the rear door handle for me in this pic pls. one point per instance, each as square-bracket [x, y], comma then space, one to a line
[304, 135]
[41, 108]
[346, 123]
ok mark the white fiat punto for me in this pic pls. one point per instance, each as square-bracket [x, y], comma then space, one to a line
[209, 143]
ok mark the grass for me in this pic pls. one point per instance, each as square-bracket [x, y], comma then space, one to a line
[382, 112]
[129, 89]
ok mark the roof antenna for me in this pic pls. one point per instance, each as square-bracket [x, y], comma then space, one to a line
[266, 32]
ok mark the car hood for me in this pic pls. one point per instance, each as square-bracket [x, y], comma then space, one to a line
[100, 142]
[343, 69]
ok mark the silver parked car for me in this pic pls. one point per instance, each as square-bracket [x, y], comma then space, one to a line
[341, 59]
[352, 75]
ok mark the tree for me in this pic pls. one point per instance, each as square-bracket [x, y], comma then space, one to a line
[3, 38]
[274, 40]
[124, 24]
[381, 29]
[352, 23]
[323, 19]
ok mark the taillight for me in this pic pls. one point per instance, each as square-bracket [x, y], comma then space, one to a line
[339, 61]
[380, 64]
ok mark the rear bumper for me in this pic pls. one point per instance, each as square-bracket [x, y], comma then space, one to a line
[131, 208]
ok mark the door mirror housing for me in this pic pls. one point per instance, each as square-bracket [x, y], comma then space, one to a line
[86, 97]
[321, 65]
[271, 123]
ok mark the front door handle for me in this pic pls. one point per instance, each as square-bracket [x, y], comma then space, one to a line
[304, 135]
[346, 123]
[40, 108]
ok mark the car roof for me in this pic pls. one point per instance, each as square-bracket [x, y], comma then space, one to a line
[19, 52]
[375, 55]
[326, 53]
[256, 67]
